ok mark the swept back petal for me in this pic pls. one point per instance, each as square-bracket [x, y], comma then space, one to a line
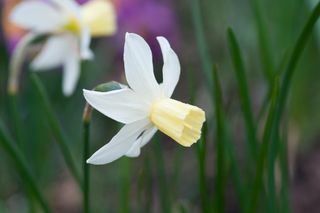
[122, 105]
[141, 141]
[119, 144]
[37, 16]
[53, 53]
[171, 67]
[100, 17]
[71, 73]
[139, 67]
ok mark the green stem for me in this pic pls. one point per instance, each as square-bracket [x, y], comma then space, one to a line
[54, 124]
[20, 162]
[86, 166]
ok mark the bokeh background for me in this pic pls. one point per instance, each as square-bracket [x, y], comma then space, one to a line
[165, 176]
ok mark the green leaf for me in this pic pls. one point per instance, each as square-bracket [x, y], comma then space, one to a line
[201, 41]
[20, 162]
[247, 111]
[268, 67]
[56, 128]
[220, 143]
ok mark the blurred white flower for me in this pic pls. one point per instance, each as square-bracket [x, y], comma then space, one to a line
[70, 27]
[146, 106]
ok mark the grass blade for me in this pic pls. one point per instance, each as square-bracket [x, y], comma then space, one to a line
[164, 190]
[20, 162]
[294, 58]
[257, 184]
[220, 142]
[268, 67]
[244, 94]
[201, 41]
[201, 147]
[54, 124]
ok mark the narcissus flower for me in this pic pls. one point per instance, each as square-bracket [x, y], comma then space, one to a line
[70, 27]
[146, 106]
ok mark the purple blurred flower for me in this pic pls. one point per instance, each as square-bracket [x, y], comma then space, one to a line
[149, 18]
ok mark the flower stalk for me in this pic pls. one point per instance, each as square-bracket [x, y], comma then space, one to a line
[86, 120]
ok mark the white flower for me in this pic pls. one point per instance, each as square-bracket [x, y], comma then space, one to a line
[146, 106]
[70, 27]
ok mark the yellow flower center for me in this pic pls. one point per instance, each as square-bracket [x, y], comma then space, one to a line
[73, 25]
[182, 122]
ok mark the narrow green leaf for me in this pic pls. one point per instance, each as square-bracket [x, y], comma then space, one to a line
[56, 128]
[284, 168]
[220, 143]
[257, 184]
[125, 169]
[201, 41]
[265, 52]
[247, 111]
[163, 184]
[20, 162]
[235, 170]
[201, 148]
[293, 61]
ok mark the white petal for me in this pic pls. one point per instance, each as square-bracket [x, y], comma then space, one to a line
[38, 16]
[85, 50]
[139, 67]
[69, 6]
[135, 150]
[141, 141]
[122, 105]
[120, 143]
[171, 67]
[148, 135]
[71, 73]
[53, 53]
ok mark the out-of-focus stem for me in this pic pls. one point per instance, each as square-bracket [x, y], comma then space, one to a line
[15, 69]
[16, 63]
[86, 118]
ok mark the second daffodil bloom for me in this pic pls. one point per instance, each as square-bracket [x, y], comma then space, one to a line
[146, 106]
[70, 27]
